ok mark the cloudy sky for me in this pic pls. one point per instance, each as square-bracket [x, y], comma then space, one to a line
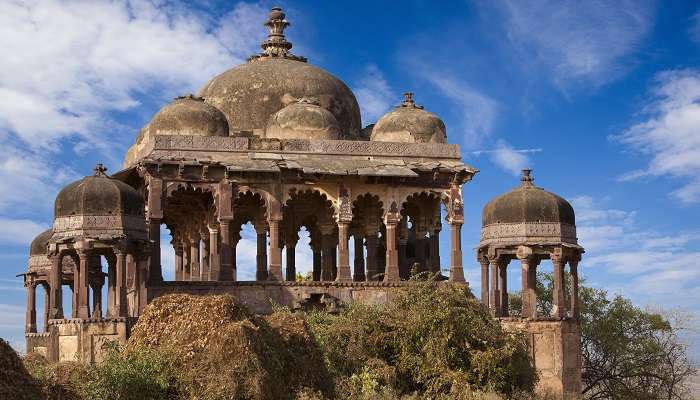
[601, 99]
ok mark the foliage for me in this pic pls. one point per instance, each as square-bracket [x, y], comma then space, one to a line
[15, 381]
[628, 352]
[305, 277]
[431, 338]
[140, 373]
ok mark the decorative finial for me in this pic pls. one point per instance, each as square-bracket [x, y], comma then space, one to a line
[100, 170]
[276, 44]
[408, 101]
[526, 178]
[189, 96]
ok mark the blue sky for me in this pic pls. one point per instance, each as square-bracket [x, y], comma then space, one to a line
[601, 99]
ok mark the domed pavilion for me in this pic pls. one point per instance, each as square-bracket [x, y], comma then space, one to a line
[279, 144]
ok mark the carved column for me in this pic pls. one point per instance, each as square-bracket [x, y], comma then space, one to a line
[97, 298]
[206, 272]
[434, 245]
[343, 274]
[404, 268]
[154, 217]
[495, 295]
[225, 259]
[235, 239]
[30, 322]
[484, 280]
[316, 249]
[56, 283]
[503, 287]
[275, 270]
[327, 253]
[573, 267]
[372, 243]
[558, 298]
[359, 262]
[391, 221]
[261, 258]
[291, 246]
[83, 285]
[186, 256]
[195, 272]
[214, 262]
[47, 307]
[120, 301]
[456, 270]
[179, 264]
[111, 285]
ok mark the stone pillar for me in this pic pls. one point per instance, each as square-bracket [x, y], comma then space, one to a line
[186, 257]
[316, 248]
[275, 269]
[529, 287]
[214, 262]
[111, 285]
[359, 262]
[97, 298]
[195, 272]
[573, 267]
[343, 273]
[327, 253]
[75, 287]
[235, 239]
[371, 243]
[30, 322]
[334, 258]
[558, 298]
[261, 259]
[131, 284]
[47, 307]
[456, 270]
[495, 295]
[225, 254]
[206, 274]
[83, 285]
[291, 247]
[484, 280]
[391, 272]
[120, 302]
[56, 283]
[503, 287]
[155, 272]
[434, 244]
[420, 247]
[179, 265]
[404, 268]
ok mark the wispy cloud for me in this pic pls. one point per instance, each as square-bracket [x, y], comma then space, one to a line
[374, 94]
[72, 63]
[508, 158]
[575, 41]
[669, 134]
[19, 231]
[649, 266]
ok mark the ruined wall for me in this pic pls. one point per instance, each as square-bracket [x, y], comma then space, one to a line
[78, 340]
[555, 346]
[259, 297]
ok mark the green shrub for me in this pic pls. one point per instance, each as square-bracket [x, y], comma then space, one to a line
[136, 374]
[434, 337]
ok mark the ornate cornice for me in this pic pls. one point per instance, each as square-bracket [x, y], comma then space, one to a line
[528, 233]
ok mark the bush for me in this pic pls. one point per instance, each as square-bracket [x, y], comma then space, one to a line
[15, 381]
[430, 339]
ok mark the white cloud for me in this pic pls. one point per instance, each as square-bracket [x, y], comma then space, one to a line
[510, 159]
[648, 266]
[694, 30]
[374, 94]
[575, 40]
[19, 231]
[68, 64]
[670, 134]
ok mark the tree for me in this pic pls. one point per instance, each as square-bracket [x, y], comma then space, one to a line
[627, 352]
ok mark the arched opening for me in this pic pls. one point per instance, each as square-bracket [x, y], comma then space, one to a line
[366, 227]
[420, 226]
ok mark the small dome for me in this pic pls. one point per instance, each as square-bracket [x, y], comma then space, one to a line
[304, 119]
[187, 115]
[40, 242]
[251, 93]
[98, 195]
[409, 123]
[528, 203]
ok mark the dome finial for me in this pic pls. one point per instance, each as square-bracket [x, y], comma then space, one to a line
[276, 44]
[100, 170]
[408, 101]
[526, 177]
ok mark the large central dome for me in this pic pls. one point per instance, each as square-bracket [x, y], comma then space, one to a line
[250, 93]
